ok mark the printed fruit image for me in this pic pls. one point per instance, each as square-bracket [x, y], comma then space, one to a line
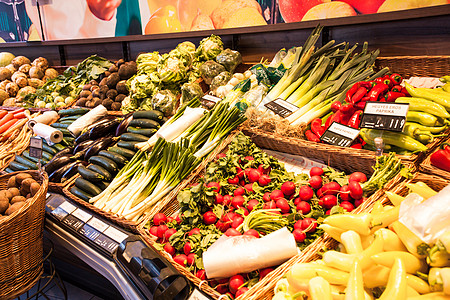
[393, 5]
[163, 20]
[294, 10]
[365, 7]
[244, 17]
[189, 9]
[329, 10]
[153, 5]
[228, 8]
[202, 22]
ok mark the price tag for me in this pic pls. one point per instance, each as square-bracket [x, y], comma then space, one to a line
[97, 224]
[384, 116]
[89, 232]
[197, 295]
[68, 207]
[73, 222]
[82, 215]
[36, 147]
[339, 135]
[115, 234]
[106, 243]
[209, 100]
[281, 107]
[59, 213]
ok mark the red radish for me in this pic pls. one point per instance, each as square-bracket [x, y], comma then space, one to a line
[298, 224]
[328, 201]
[251, 204]
[239, 191]
[221, 155]
[169, 249]
[309, 222]
[315, 182]
[161, 230]
[319, 193]
[194, 231]
[238, 201]
[328, 212]
[299, 235]
[190, 259]
[348, 206]
[297, 201]
[178, 218]
[303, 207]
[222, 226]
[222, 289]
[264, 180]
[358, 176]
[244, 211]
[288, 188]
[283, 205]
[249, 158]
[264, 272]
[269, 205]
[266, 197]
[253, 175]
[187, 248]
[201, 274]
[209, 218]
[170, 219]
[214, 185]
[276, 194]
[239, 173]
[169, 233]
[331, 188]
[356, 192]
[180, 259]
[315, 171]
[306, 193]
[242, 182]
[228, 217]
[359, 202]
[232, 232]
[154, 230]
[219, 199]
[241, 291]
[249, 188]
[159, 219]
[234, 180]
[227, 200]
[235, 283]
[247, 172]
[252, 232]
[344, 193]
[263, 170]
[238, 220]
[274, 212]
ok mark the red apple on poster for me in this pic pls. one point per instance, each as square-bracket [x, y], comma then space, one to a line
[365, 7]
[294, 10]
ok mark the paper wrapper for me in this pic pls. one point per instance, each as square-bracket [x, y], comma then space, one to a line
[89, 118]
[50, 134]
[47, 118]
[229, 256]
[189, 117]
[429, 219]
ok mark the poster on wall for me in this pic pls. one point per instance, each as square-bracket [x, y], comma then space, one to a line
[31, 20]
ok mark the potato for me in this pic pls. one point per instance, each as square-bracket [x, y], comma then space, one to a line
[103, 81]
[85, 93]
[18, 199]
[4, 204]
[14, 191]
[116, 106]
[14, 207]
[25, 186]
[34, 188]
[28, 196]
[81, 102]
[6, 194]
[20, 177]
[12, 182]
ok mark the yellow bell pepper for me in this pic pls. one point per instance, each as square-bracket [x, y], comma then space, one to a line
[418, 284]
[352, 242]
[422, 189]
[334, 232]
[384, 218]
[438, 256]
[391, 241]
[396, 288]
[444, 239]
[377, 207]
[357, 222]
[439, 280]
[412, 263]
[319, 289]
[394, 198]
[300, 272]
[411, 241]
[355, 284]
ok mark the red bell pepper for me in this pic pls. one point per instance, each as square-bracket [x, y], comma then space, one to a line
[361, 104]
[356, 146]
[396, 78]
[391, 96]
[311, 136]
[355, 119]
[347, 109]
[396, 88]
[337, 117]
[441, 158]
[358, 95]
[405, 91]
[355, 87]
[377, 91]
[328, 121]
[335, 106]
[316, 127]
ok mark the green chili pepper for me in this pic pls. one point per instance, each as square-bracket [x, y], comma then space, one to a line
[427, 128]
[424, 118]
[393, 138]
[420, 104]
[440, 97]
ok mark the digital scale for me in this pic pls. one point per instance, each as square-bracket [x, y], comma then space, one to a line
[134, 268]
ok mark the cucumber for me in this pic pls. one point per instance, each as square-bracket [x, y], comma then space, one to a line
[14, 165]
[60, 125]
[102, 171]
[68, 123]
[46, 156]
[49, 149]
[117, 158]
[87, 186]
[127, 145]
[68, 141]
[80, 194]
[144, 123]
[22, 160]
[69, 118]
[89, 175]
[148, 132]
[102, 184]
[133, 137]
[73, 111]
[155, 115]
[26, 155]
[122, 151]
[104, 162]
[8, 170]
[58, 147]
[65, 132]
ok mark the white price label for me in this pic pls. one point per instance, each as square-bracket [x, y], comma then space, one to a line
[82, 215]
[197, 295]
[115, 234]
[343, 130]
[386, 109]
[98, 224]
[211, 98]
[67, 207]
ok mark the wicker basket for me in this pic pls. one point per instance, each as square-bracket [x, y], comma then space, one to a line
[264, 288]
[424, 66]
[427, 167]
[21, 244]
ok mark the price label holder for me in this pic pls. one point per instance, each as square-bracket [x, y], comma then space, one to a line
[339, 135]
[91, 229]
[384, 116]
[36, 147]
[209, 101]
[281, 107]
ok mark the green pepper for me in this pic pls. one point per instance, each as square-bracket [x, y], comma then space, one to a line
[393, 138]
[424, 118]
[420, 104]
[427, 128]
[440, 97]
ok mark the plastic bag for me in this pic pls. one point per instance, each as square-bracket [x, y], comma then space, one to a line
[165, 102]
[230, 59]
[210, 69]
[220, 80]
[190, 91]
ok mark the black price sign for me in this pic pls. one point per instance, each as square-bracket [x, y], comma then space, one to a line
[36, 147]
[281, 107]
[384, 116]
[339, 135]
[209, 100]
